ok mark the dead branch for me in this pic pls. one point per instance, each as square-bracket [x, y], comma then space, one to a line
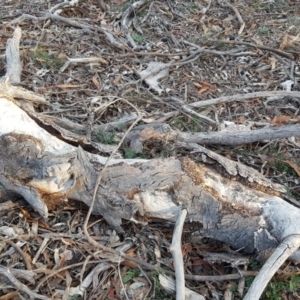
[20, 286]
[279, 52]
[176, 251]
[163, 132]
[73, 23]
[241, 97]
[249, 219]
[239, 138]
[11, 91]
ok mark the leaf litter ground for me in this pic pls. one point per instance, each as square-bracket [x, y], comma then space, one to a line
[203, 50]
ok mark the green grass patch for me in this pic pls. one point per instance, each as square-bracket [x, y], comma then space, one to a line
[131, 273]
[185, 123]
[138, 38]
[194, 6]
[44, 59]
[263, 31]
[106, 138]
[293, 20]
[159, 291]
[261, 5]
[276, 289]
[222, 47]
[283, 168]
[131, 153]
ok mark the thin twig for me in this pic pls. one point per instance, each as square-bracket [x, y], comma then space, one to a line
[120, 278]
[20, 286]
[92, 241]
[225, 3]
[21, 252]
[147, 278]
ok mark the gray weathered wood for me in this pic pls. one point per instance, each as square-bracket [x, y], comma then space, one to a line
[45, 170]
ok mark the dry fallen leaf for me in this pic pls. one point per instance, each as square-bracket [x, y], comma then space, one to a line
[285, 42]
[128, 263]
[279, 120]
[273, 62]
[294, 166]
[117, 80]
[241, 120]
[188, 75]
[67, 86]
[96, 82]
[203, 86]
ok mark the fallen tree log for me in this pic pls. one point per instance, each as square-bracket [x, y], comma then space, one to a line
[46, 171]
[239, 207]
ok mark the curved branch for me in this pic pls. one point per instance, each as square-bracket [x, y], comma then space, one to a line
[288, 246]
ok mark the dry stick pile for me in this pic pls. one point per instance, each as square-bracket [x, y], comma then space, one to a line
[136, 139]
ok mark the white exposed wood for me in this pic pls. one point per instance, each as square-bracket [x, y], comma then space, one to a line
[24, 125]
[13, 62]
[11, 91]
[176, 251]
